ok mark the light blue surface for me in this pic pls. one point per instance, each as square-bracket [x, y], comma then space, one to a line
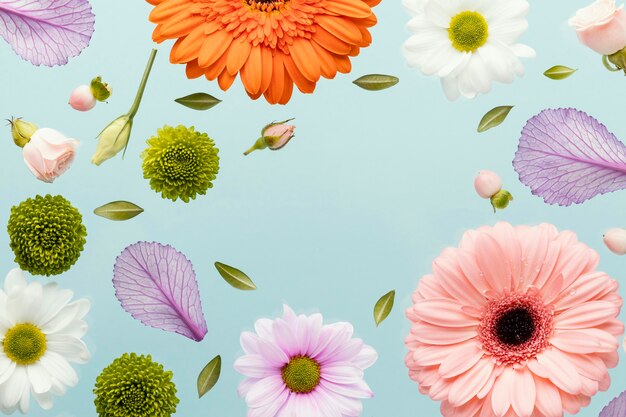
[374, 186]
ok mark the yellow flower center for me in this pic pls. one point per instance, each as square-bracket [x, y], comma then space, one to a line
[24, 344]
[468, 31]
[301, 375]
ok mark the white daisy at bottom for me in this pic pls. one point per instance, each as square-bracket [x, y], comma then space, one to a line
[40, 334]
[467, 43]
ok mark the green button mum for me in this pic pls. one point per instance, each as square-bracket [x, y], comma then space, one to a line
[180, 162]
[135, 386]
[47, 235]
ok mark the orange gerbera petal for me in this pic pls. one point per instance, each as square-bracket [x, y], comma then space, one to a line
[213, 47]
[251, 72]
[194, 70]
[271, 44]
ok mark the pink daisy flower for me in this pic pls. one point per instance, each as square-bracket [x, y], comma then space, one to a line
[297, 366]
[515, 322]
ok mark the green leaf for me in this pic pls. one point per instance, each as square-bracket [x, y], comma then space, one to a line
[375, 82]
[559, 72]
[118, 210]
[383, 307]
[493, 118]
[198, 101]
[209, 376]
[235, 277]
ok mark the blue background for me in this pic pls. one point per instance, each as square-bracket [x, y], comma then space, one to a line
[374, 186]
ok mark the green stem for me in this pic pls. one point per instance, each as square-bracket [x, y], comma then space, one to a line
[142, 86]
[607, 64]
[259, 144]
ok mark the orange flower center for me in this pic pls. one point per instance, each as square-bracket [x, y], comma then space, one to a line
[266, 5]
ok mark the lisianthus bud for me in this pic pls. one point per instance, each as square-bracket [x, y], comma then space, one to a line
[49, 154]
[113, 139]
[82, 98]
[100, 90]
[615, 240]
[274, 136]
[601, 26]
[21, 131]
[501, 200]
[487, 183]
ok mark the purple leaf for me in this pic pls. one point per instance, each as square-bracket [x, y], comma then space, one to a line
[566, 156]
[46, 32]
[616, 408]
[156, 284]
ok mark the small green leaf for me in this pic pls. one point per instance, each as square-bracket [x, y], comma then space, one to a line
[493, 118]
[559, 72]
[383, 307]
[198, 101]
[235, 277]
[118, 210]
[209, 375]
[375, 82]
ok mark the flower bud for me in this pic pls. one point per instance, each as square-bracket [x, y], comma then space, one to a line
[82, 98]
[21, 131]
[601, 26]
[113, 139]
[100, 90]
[487, 183]
[274, 136]
[501, 200]
[615, 240]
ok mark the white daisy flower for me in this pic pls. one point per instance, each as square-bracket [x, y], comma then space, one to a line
[40, 334]
[467, 43]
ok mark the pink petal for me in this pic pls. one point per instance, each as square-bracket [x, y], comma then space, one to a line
[587, 287]
[547, 268]
[452, 279]
[502, 392]
[468, 384]
[430, 287]
[436, 335]
[265, 391]
[271, 409]
[254, 366]
[548, 400]
[560, 371]
[584, 341]
[366, 358]
[358, 390]
[523, 393]
[308, 332]
[345, 405]
[272, 354]
[460, 360]
[509, 242]
[492, 261]
[342, 374]
[586, 315]
[285, 338]
[444, 312]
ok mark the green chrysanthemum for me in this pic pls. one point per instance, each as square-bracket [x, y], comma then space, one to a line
[180, 162]
[135, 386]
[47, 235]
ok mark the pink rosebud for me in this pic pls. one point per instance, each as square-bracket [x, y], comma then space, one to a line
[82, 98]
[49, 154]
[487, 183]
[601, 26]
[278, 135]
[615, 240]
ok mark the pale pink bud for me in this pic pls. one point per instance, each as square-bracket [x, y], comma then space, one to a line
[601, 26]
[615, 240]
[487, 183]
[49, 154]
[82, 98]
[278, 135]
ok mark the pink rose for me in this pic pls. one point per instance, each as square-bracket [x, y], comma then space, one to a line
[601, 26]
[49, 154]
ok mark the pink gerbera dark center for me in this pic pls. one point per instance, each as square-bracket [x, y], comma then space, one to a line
[516, 328]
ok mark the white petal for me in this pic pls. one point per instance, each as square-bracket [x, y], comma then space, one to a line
[59, 368]
[13, 388]
[14, 280]
[44, 400]
[39, 378]
[22, 305]
[450, 87]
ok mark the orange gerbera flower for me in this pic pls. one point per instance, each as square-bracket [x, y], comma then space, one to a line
[272, 44]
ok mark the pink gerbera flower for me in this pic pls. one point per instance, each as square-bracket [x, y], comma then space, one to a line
[516, 322]
[296, 366]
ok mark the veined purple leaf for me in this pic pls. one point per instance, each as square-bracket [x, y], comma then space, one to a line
[566, 156]
[46, 32]
[156, 284]
[616, 408]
